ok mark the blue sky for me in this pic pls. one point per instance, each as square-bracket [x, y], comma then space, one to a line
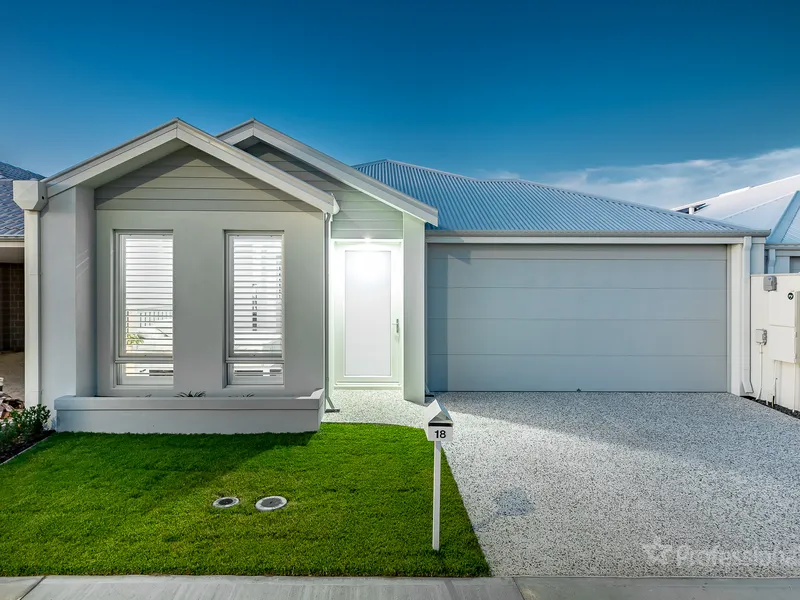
[642, 100]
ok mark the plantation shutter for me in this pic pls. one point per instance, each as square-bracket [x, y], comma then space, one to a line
[256, 297]
[146, 296]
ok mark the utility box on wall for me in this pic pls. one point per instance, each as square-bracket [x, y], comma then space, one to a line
[782, 329]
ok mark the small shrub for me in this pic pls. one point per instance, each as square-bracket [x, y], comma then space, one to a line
[23, 426]
[190, 394]
[8, 436]
[32, 422]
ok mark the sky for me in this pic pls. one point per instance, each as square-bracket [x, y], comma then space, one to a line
[661, 103]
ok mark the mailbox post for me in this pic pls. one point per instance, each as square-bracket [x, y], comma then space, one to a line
[439, 428]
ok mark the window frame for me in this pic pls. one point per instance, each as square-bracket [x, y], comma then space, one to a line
[232, 358]
[121, 357]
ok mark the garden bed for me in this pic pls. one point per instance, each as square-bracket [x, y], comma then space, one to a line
[21, 447]
[21, 429]
[359, 504]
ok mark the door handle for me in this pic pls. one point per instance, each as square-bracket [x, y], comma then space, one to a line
[397, 325]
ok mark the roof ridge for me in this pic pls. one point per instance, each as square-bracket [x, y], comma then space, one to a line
[527, 182]
[752, 187]
[372, 162]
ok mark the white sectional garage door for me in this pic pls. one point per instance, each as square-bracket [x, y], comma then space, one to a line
[563, 318]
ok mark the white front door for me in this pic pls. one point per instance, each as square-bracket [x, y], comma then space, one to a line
[368, 323]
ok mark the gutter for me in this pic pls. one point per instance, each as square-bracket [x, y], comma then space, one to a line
[580, 234]
[13, 241]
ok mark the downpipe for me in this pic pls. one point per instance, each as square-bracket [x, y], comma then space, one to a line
[772, 256]
[747, 383]
[329, 406]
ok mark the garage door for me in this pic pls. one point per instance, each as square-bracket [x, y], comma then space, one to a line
[563, 318]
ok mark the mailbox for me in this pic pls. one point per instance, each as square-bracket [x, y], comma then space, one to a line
[438, 423]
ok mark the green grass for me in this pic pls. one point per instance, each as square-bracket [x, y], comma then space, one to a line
[359, 504]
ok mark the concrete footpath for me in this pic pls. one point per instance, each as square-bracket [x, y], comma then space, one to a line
[347, 588]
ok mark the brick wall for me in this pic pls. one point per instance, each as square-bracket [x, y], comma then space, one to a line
[12, 307]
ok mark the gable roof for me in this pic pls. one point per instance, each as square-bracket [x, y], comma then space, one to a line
[329, 165]
[11, 216]
[772, 205]
[468, 205]
[166, 139]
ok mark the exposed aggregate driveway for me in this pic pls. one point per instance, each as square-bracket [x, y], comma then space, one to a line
[621, 484]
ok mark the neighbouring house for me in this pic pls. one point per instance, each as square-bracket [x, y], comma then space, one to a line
[265, 274]
[12, 279]
[772, 206]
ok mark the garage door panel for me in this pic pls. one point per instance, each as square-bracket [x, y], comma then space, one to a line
[577, 274]
[559, 303]
[522, 373]
[607, 318]
[536, 337]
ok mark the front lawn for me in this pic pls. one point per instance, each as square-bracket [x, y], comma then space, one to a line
[359, 504]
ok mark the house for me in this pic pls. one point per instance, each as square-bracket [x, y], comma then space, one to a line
[264, 273]
[773, 206]
[12, 280]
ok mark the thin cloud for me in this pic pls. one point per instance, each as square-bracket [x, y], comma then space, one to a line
[673, 184]
[498, 174]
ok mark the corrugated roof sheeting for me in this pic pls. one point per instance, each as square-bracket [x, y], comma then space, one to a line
[774, 205]
[787, 230]
[470, 204]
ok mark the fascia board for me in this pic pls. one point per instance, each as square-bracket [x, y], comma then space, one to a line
[184, 133]
[561, 238]
[334, 168]
[259, 169]
[110, 154]
[238, 134]
[106, 162]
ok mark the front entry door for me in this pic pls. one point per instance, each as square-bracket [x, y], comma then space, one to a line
[368, 315]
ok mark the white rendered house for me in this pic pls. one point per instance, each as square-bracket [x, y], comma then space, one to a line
[263, 273]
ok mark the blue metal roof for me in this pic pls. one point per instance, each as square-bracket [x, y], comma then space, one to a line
[469, 204]
[11, 216]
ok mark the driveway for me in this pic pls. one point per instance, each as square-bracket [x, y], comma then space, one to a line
[620, 484]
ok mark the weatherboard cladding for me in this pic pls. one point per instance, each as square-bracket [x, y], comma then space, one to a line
[470, 204]
[359, 215]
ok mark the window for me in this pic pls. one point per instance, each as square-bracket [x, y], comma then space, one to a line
[255, 309]
[144, 309]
